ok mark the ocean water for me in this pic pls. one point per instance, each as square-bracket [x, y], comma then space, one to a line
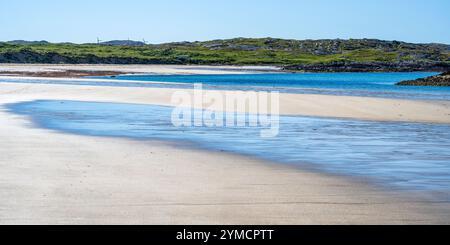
[407, 156]
[353, 84]
[350, 84]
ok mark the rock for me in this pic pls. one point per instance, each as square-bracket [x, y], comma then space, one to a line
[442, 80]
[350, 66]
[28, 56]
[123, 43]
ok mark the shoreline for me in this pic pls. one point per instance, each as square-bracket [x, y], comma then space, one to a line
[314, 105]
[79, 71]
[102, 180]
[92, 70]
[419, 194]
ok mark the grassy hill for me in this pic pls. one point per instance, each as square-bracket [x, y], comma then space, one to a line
[239, 51]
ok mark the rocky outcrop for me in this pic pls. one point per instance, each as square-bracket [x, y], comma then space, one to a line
[347, 66]
[24, 42]
[324, 46]
[129, 43]
[442, 80]
[61, 73]
[30, 57]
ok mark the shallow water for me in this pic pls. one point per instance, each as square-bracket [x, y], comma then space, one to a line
[410, 156]
[350, 84]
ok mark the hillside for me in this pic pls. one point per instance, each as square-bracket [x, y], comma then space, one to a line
[304, 55]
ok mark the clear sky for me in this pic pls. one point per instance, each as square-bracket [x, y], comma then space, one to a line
[178, 20]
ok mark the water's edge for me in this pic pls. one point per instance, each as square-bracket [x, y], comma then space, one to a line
[408, 156]
[381, 85]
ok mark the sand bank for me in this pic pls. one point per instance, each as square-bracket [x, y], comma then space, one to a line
[45, 70]
[290, 104]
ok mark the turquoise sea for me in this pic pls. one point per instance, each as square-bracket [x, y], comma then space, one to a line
[353, 84]
[349, 84]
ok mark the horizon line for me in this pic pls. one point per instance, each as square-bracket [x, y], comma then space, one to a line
[218, 39]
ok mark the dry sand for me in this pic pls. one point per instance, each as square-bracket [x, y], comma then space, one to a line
[148, 69]
[54, 178]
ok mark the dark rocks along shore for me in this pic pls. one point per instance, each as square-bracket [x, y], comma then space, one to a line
[441, 80]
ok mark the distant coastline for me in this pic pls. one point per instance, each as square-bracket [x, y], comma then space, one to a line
[333, 55]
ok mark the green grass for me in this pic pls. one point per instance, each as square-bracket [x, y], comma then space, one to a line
[233, 51]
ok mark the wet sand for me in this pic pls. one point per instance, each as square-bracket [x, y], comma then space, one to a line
[54, 178]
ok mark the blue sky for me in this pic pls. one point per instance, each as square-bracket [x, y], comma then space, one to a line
[178, 20]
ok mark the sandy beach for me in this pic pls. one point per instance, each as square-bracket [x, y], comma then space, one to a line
[102, 70]
[54, 178]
